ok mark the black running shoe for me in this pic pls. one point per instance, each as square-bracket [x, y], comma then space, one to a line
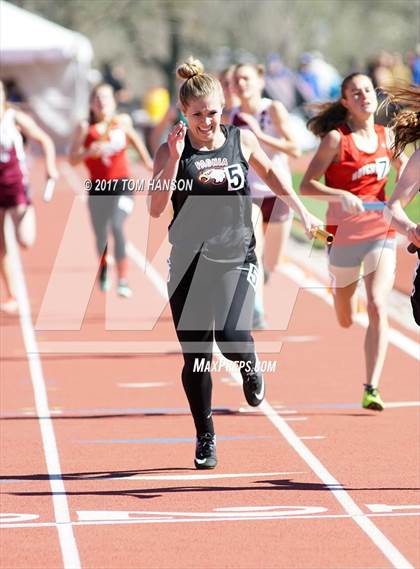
[104, 283]
[253, 386]
[205, 452]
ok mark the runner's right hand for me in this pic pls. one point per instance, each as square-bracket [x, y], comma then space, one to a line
[95, 150]
[414, 236]
[176, 140]
[351, 203]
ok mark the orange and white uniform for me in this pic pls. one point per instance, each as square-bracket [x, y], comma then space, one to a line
[364, 174]
[113, 162]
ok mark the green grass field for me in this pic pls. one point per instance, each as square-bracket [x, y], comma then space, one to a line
[319, 207]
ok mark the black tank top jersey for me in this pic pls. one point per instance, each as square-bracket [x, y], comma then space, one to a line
[212, 202]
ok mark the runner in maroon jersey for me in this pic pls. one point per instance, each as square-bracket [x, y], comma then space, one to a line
[14, 197]
[272, 218]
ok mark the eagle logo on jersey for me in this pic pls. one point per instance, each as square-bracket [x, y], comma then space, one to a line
[212, 176]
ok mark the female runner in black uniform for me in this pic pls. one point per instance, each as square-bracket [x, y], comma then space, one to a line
[213, 267]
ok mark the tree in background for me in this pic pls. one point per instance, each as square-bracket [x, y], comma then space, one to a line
[150, 37]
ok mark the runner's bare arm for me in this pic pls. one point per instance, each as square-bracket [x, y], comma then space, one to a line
[311, 185]
[32, 130]
[285, 141]
[400, 162]
[281, 119]
[407, 187]
[278, 183]
[135, 140]
[77, 151]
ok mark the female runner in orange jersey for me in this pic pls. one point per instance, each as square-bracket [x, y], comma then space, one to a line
[102, 145]
[354, 156]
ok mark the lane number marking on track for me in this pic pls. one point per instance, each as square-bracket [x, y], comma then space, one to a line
[227, 514]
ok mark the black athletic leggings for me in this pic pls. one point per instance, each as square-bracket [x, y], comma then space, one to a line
[108, 213]
[210, 301]
[415, 295]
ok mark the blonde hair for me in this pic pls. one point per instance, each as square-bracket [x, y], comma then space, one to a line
[197, 84]
[406, 124]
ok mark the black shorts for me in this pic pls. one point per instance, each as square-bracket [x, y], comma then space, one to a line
[274, 210]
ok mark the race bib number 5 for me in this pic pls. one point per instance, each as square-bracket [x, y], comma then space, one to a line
[235, 177]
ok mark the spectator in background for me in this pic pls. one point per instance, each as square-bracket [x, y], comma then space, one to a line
[379, 70]
[325, 75]
[415, 66]
[280, 82]
[115, 75]
[401, 72]
[308, 77]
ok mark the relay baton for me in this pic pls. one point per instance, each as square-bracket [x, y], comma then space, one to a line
[324, 236]
[49, 190]
[374, 206]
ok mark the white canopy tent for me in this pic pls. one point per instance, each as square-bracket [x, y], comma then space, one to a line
[50, 65]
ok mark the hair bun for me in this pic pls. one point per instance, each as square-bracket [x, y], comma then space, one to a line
[190, 68]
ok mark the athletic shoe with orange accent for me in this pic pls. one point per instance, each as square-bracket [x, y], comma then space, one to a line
[372, 399]
[205, 452]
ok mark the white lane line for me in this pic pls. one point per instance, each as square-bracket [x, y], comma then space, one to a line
[202, 476]
[142, 384]
[388, 549]
[394, 556]
[75, 181]
[315, 287]
[161, 520]
[69, 551]
[385, 508]
[312, 438]
[397, 404]
[147, 268]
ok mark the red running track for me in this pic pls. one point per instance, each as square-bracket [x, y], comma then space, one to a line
[97, 441]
